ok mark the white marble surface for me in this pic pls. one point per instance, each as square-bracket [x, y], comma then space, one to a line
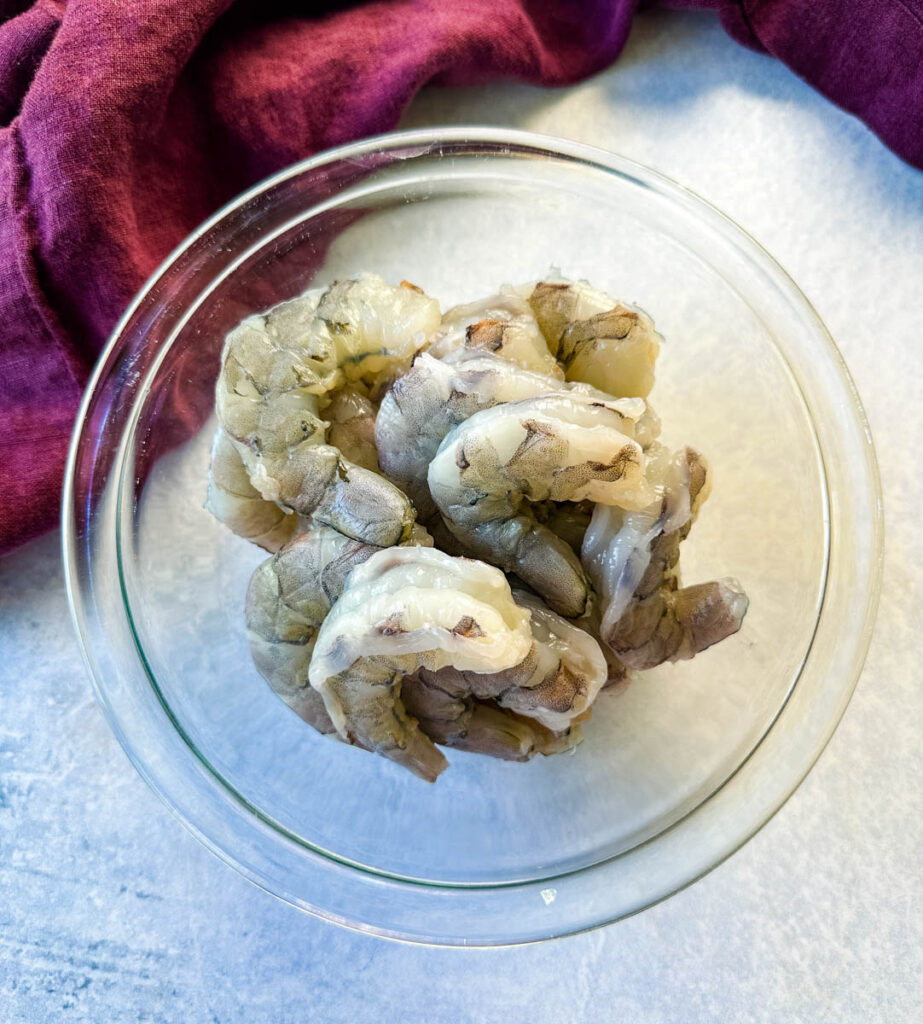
[110, 911]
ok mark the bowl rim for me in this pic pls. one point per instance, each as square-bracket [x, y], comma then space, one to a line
[505, 142]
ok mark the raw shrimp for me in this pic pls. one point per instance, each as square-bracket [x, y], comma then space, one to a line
[434, 396]
[560, 446]
[451, 717]
[287, 600]
[618, 547]
[404, 609]
[351, 416]
[676, 624]
[277, 369]
[598, 340]
[521, 434]
[616, 671]
[554, 685]
[503, 324]
[234, 501]
[567, 520]
[568, 670]
[557, 303]
[632, 556]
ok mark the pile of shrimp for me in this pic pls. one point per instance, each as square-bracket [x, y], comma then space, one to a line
[473, 526]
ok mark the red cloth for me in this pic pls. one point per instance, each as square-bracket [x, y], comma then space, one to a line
[124, 124]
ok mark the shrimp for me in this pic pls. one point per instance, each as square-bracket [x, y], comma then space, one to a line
[503, 324]
[234, 501]
[278, 368]
[598, 340]
[451, 717]
[567, 520]
[674, 625]
[632, 556]
[555, 684]
[619, 545]
[351, 416]
[561, 446]
[402, 610]
[617, 677]
[288, 598]
[434, 396]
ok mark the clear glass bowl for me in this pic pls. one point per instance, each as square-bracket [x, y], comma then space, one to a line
[676, 771]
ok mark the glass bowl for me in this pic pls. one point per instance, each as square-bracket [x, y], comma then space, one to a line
[678, 769]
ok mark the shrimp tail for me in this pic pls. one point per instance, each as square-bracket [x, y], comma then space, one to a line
[679, 624]
[451, 716]
[376, 719]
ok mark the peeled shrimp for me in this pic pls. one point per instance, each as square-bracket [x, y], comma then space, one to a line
[404, 609]
[631, 557]
[521, 434]
[562, 677]
[502, 324]
[289, 597]
[435, 395]
[598, 340]
[277, 369]
[560, 446]
[554, 685]
[234, 501]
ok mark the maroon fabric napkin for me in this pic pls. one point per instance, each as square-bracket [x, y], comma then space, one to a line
[123, 125]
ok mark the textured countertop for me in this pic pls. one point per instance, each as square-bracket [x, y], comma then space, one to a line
[110, 911]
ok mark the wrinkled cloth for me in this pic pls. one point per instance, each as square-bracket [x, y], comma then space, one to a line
[124, 125]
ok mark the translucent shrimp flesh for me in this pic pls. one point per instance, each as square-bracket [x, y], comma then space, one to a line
[600, 341]
[234, 501]
[448, 713]
[517, 429]
[288, 598]
[558, 447]
[402, 610]
[632, 555]
[557, 681]
[278, 370]
[434, 395]
[502, 324]
[351, 416]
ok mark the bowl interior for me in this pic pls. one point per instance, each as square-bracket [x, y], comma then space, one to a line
[652, 752]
